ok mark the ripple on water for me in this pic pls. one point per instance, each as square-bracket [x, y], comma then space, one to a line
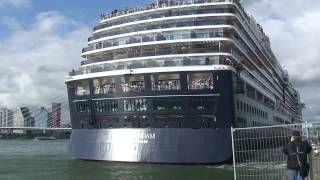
[46, 160]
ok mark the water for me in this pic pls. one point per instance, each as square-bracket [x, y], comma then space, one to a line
[46, 160]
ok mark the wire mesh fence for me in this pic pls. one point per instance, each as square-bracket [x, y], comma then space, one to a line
[258, 151]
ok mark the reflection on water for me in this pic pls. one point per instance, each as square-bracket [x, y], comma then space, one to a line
[33, 160]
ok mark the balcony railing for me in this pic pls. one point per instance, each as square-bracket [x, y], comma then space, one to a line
[166, 85]
[136, 86]
[149, 64]
[105, 89]
[82, 92]
[162, 15]
[201, 85]
[157, 37]
[162, 25]
[160, 4]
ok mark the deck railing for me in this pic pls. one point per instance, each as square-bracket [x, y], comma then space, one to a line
[159, 4]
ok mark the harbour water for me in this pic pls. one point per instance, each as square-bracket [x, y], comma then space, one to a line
[46, 160]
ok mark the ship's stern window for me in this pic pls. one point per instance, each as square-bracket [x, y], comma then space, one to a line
[132, 83]
[82, 107]
[204, 103]
[165, 82]
[82, 88]
[200, 81]
[167, 104]
[135, 104]
[104, 85]
[109, 105]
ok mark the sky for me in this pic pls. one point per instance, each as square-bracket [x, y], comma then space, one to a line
[41, 41]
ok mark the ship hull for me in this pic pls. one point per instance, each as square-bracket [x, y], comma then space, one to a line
[200, 146]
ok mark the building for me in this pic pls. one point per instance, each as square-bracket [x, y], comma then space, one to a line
[18, 118]
[6, 117]
[56, 115]
[49, 123]
[27, 117]
[165, 83]
[41, 116]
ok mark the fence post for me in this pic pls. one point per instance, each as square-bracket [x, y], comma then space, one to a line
[233, 154]
[307, 125]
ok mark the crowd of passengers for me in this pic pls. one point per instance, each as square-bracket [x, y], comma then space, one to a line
[159, 85]
[133, 86]
[105, 88]
[161, 3]
[166, 85]
[233, 63]
[201, 84]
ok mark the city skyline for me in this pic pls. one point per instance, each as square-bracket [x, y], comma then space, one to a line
[50, 36]
[39, 116]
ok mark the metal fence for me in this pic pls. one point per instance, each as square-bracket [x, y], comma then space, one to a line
[257, 151]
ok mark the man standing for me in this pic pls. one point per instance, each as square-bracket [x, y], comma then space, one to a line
[297, 152]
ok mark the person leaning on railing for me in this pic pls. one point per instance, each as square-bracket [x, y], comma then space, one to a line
[297, 159]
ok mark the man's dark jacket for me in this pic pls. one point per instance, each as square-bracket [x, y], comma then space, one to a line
[291, 150]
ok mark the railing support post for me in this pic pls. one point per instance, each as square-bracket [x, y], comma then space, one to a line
[307, 127]
[233, 154]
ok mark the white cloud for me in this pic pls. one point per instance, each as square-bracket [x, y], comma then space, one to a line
[35, 59]
[10, 22]
[294, 33]
[15, 4]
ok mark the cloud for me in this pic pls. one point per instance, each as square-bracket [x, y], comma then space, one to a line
[10, 23]
[292, 27]
[6, 4]
[36, 58]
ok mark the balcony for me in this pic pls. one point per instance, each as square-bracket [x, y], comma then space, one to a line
[166, 85]
[160, 4]
[171, 13]
[200, 81]
[105, 89]
[165, 61]
[159, 25]
[156, 37]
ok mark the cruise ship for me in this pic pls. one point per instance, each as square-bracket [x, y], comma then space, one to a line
[165, 82]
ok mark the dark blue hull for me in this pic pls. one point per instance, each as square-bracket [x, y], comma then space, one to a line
[162, 145]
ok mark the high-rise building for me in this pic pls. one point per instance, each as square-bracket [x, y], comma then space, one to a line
[41, 116]
[28, 119]
[22, 117]
[18, 118]
[6, 117]
[49, 123]
[56, 115]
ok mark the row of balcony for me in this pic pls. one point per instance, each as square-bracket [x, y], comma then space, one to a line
[162, 25]
[157, 37]
[136, 83]
[159, 4]
[239, 42]
[169, 13]
[161, 62]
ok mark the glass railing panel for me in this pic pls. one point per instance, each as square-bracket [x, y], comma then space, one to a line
[200, 81]
[82, 88]
[157, 37]
[166, 85]
[160, 4]
[160, 25]
[207, 48]
[135, 86]
[105, 89]
[135, 104]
